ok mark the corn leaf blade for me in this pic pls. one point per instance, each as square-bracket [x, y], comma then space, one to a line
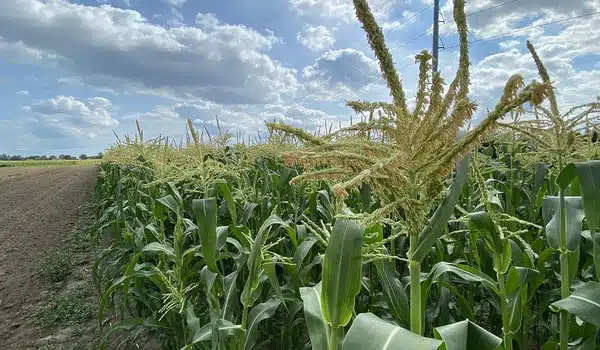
[342, 269]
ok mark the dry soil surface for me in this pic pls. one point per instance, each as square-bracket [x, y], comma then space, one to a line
[38, 207]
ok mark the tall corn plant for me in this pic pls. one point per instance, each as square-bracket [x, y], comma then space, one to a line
[408, 154]
[558, 143]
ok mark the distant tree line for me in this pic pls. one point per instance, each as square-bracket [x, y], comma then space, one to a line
[4, 156]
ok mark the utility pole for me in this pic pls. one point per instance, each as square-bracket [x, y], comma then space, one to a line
[436, 33]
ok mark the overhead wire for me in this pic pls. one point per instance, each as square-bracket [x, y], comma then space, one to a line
[401, 46]
[526, 28]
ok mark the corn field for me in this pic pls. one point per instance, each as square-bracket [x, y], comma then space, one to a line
[406, 230]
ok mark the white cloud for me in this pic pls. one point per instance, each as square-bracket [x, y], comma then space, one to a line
[509, 44]
[23, 93]
[176, 19]
[215, 61]
[338, 72]
[298, 115]
[176, 3]
[67, 116]
[315, 38]
[505, 18]
[340, 9]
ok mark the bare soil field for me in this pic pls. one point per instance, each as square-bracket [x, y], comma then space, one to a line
[39, 210]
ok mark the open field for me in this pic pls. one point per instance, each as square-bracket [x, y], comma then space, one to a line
[48, 163]
[39, 208]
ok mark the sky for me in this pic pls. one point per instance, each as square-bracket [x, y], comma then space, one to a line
[73, 74]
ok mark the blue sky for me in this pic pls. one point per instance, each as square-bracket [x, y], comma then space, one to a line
[72, 72]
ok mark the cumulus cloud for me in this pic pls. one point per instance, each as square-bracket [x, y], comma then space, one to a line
[339, 71]
[176, 3]
[505, 18]
[64, 116]
[298, 115]
[214, 60]
[339, 9]
[315, 38]
[559, 46]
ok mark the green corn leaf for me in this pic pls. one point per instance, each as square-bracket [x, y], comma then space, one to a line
[209, 278]
[369, 332]
[269, 268]
[169, 202]
[131, 323]
[191, 320]
[342, 271]
[465, 272]
[247, 214]
[318, 330]
[589, 181]
[255, 259]
[231, 206]
[574, 217]
[221, 329]
[205, 211]
[230, 295]
[540, 174]
[303, 250]
[222, 234]
[584, 303]
[564, 178]
[466, 335]
[442, 214]
[258, 314]
[485, 225]
[156, 247]
[393, 290]
[172, 189]
[203, 334]
[516, 287]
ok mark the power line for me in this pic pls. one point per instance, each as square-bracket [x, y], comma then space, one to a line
[362, 47]
[527, 28]
[389, 30]
[403, 44]
[359, 87]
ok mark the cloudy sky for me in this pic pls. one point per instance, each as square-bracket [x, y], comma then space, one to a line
[72, 72]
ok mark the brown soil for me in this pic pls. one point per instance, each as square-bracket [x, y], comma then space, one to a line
[39, 207]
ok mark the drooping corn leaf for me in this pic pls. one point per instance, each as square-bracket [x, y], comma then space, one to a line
[318, 330]
[269, 267]
[369, 332]
[192, 321]
[209, 278]
[205, 211]
[169, 202]
[589, 182]
[393, 290]
[231, 206]
[540, 174]
[131, 323]
[342, 270]
[584, 303]
[258, 314]
[482, 221]
[574, 217]
[156, 247]
[516, 289]
[442, 214]
[466, 335]
[247, 214]
[255, 259]
[465, 272]
[230, 294]
[222, 328]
